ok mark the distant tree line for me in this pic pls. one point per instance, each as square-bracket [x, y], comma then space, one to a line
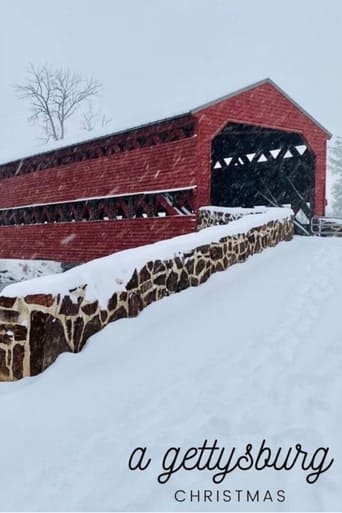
[335, 165]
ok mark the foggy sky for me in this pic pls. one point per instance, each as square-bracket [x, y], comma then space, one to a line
[157, 58]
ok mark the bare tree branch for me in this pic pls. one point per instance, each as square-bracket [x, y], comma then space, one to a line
[55, 95]
[92, 118]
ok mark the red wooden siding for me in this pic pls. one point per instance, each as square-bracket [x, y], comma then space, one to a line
[161, 167]
[80, 242]
[179, 161]
[263, 106]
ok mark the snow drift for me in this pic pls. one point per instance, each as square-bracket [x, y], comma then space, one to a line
[103, 276]
[254, 353]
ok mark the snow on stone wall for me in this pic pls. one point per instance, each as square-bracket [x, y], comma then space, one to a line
[213, 216]
[14, 270]
[43, 318]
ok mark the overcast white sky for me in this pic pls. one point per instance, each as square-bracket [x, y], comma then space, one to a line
[159, 57]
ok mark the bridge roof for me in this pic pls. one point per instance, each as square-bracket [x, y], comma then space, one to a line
[55, 146]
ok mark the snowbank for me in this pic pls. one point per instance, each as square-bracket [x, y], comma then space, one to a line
[106, 275]
[237, 210]
[43, 318]
[262, 361]
[15, 270]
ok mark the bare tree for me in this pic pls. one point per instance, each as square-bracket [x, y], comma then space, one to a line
[55, 95]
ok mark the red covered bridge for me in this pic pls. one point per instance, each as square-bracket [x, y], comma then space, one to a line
[253, 147]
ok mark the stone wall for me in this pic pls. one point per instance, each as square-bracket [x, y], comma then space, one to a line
[213, 216]
[36, 328]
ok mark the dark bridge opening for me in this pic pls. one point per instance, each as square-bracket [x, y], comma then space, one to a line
[252, 166]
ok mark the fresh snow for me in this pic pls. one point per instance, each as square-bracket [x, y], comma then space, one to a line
[253, 353]
[15, 270]
[236, 210]
[106, 275]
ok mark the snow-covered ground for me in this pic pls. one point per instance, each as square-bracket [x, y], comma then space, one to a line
[255, 353]
[14, 270]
